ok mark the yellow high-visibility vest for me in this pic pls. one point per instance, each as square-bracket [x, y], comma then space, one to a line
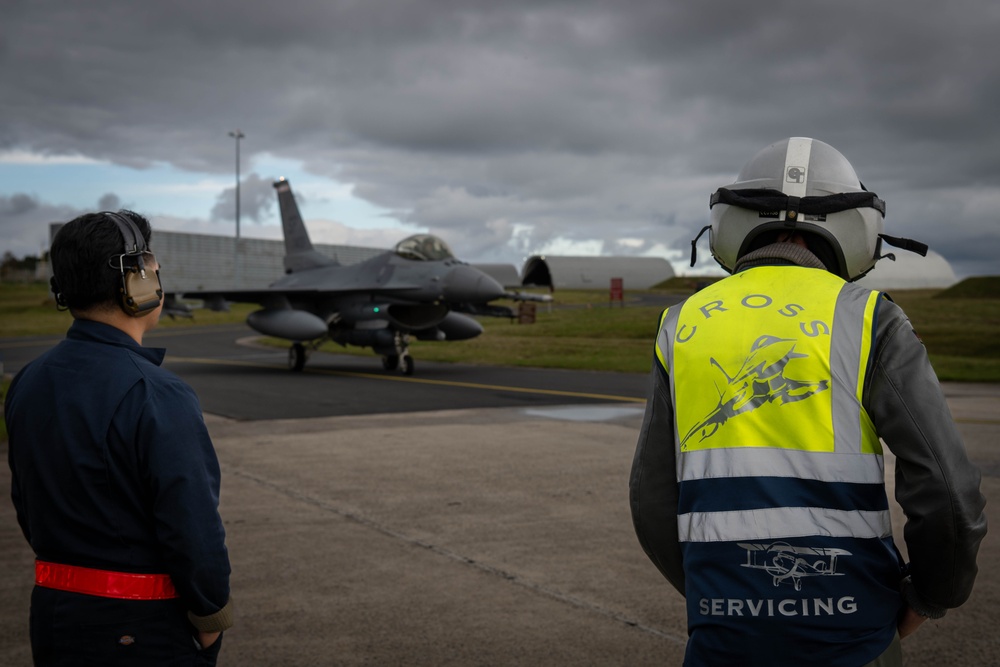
[771, 357]
[767, 369]
[782, 515]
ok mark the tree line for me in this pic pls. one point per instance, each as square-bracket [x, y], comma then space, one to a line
[18, 270]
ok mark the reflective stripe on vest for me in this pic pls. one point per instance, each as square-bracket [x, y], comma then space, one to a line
[782, 523]
[767, 369]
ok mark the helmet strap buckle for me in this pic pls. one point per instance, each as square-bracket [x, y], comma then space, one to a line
[792, 210]
[694, 247]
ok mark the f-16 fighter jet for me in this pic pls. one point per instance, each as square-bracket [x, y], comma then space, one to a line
[419, 289]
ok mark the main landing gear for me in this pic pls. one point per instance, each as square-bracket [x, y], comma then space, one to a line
[400, 358]
[404, 363]
[297, 356]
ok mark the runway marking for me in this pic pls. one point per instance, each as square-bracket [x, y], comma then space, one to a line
[402, 378]
[392, 378]
[506, 575]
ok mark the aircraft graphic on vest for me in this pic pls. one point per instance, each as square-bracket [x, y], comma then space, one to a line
[760, 380]
[786, 563]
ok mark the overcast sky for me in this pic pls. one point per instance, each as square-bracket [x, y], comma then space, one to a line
[509, 128]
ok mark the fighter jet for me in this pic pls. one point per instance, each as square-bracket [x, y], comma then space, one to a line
[418, 289]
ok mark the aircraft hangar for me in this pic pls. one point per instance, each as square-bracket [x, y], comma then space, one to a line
[202, 261]
[562, 272]
[910, 271]
[505, 274]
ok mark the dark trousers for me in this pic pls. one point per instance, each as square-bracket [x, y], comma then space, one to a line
[82, 630]
[892, 657]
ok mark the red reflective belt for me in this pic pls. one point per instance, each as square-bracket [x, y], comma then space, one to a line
[104, 583]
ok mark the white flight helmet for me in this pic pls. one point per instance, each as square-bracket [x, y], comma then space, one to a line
[802, 185]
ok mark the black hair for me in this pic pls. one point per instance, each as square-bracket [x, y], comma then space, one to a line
[84, 257]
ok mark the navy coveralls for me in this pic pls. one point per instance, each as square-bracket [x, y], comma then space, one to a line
[113, 469]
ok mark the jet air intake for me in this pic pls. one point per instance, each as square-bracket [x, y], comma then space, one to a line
[410, 317]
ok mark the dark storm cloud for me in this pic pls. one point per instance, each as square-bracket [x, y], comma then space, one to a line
[24, 223]
[18, 205]
[256, 198]
[506, 126]
[109, 202]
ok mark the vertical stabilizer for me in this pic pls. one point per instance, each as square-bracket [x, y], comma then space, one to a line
[299, 251]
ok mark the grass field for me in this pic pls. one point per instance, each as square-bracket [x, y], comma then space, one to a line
[959, 326]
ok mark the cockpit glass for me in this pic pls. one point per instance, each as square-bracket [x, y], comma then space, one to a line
[424, 247]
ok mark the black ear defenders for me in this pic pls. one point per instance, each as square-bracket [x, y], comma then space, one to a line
[61, 303]
[141, 291]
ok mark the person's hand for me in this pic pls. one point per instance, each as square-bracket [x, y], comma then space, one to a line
[909, 621]
[206, 639]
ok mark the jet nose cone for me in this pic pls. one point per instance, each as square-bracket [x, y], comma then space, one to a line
[464, 283]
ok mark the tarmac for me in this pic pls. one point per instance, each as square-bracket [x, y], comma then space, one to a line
[488, 536]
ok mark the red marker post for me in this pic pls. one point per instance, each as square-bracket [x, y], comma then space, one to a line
[617, 292]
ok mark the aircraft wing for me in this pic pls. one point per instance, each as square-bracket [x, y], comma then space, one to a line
[524, 296]
[219, 300]
[486, 309]
[275, 297]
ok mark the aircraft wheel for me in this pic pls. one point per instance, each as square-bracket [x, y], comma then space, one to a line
[390, 361]
[406, 364]
[297, 356]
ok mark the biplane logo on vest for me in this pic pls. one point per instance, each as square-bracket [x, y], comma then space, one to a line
[760, 380]
[785, 565]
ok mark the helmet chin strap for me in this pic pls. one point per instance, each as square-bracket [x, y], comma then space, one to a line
[904, 244]
[694, 247]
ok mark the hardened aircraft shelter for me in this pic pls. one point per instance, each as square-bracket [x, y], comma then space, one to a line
[562, 272]
[202, 261]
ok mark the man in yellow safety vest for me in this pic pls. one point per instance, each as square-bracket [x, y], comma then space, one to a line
[757, 487]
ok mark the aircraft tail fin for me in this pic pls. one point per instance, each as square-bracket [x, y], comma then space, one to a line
[299, 251]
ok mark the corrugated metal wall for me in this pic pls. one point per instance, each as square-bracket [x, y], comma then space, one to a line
[201, 261]
[195, 261]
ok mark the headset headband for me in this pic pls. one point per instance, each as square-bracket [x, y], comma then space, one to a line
[140, 293]
[135, 243]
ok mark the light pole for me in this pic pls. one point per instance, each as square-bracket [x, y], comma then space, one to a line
[236, 250]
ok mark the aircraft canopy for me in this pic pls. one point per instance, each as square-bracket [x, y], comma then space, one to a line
[424, 248]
